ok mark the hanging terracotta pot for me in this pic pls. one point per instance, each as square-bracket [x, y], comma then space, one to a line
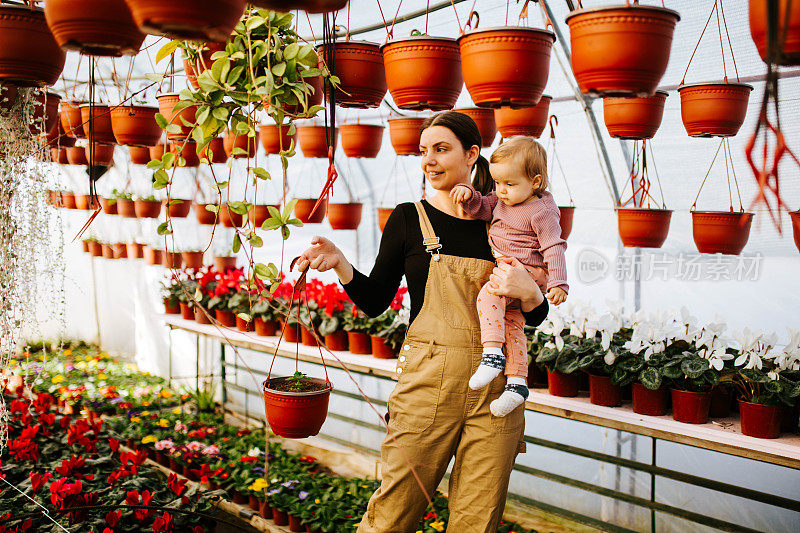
[721, 232]
[303, 207]
[634, 118]
[77, 155]
[29, 54]
[404, 134]
[126, 208]
[192, 259]
[58, 138]
[528, 121]
[121, 252]
[361, 140]
[224, 262]
[203, 20]
[560, 384]
[484, 118]
[215, 151]
[642, 227]
[67, 200]
[248, 144]
[271, 140]
[690, 407]
[71, 121]
[423, 72]
[344, 216]
[650, 402]
[201, 63]
[135, 125]
[135, 250]
[204, 216]
[103, 154]
[188, 151]
[171, 259]
[259, 213]
[788, 30]
[147, 208]
[796, 228]
[714, 109]
[177, 208]
[103, 133]
[94, 27]
[152, 256]
[157, 151]
[109, 206]
[230, 219]
[296, 415]
[383, 216]
[312, 6]
[359, 67]
[166, 104]
[59, 155]
[567, 214]
[621, 50]
[140, 155]
[312, 140]
[506, 66]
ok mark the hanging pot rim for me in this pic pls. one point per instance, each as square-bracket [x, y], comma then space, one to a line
[350, 124]
[328, 387]
[639, 7]
[642, 209]
[713, 212]
[96, 105]
[24, 7]
[419, 38]
[657, 93]
[352, 41]
[421, 119]
[714, 84]
[521, 29]
[174, 93]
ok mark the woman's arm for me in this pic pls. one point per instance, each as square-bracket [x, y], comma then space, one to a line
[372, 294]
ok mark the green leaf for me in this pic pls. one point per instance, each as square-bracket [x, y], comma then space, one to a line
[237, 243]
[255, 241]
[287, 211]
[167, 49]
[260, 173]
[650, 377]
[161, 121]
[291, 51]
[279, 69]
[168, 159]
[694, 367]
[163, 229]
[254, 22]
[173, 129]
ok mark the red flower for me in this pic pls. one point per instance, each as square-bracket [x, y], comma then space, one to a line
[113, 517]
[178, 486]
[248, 459]
[131, 498]
[163, 523]
[24, 449]
[113, 444]
[141, 514]
[38, 480]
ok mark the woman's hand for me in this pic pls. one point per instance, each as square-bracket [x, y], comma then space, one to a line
[324, 255]
[510, 278]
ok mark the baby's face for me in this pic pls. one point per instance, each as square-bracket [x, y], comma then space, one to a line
[511, 184]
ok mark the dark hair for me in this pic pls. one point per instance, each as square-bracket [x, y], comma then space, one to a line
[465, 129]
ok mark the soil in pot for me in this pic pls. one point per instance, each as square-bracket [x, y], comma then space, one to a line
[296, 408]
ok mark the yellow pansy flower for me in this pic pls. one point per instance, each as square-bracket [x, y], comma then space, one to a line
[102, 376]
[67, 352]
[259, 485]
[148, 439]
[163, 423]
[58, 379]
[316, 500]
[165, 393]
[145, 404]
[136, 419]
[438, 525]
[176, 411]
[145, 413]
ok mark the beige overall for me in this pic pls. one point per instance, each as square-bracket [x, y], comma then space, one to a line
[433, 415]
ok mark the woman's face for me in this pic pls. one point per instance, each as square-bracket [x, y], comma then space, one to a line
[444, 161]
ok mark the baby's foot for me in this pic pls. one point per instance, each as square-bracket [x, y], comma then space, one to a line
[492, 363]
[514, 395]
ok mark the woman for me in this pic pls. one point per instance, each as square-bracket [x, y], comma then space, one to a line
[432, 414]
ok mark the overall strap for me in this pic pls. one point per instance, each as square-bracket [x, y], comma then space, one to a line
[429, 238]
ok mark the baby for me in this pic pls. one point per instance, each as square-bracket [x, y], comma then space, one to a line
[524, 225]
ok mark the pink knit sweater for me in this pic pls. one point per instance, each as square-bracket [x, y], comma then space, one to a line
[529, 231]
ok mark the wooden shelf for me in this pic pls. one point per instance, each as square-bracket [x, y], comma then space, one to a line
[721, 435]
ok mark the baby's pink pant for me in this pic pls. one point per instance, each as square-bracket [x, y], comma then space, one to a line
[501, 321]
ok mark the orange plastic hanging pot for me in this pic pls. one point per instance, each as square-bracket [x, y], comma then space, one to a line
[71, 121]
[188, 151]
[788, 30]
[29, 54]
[76, 155]
[177, 208]
[296, 415]
[201, 63]
[359, 67]
[621, 50]
[404, 134]
[714, 109]
[506, 66]
[383, 216]
[232, 140]
[166, 105]
[147, 208]
[361, 140]
[344, 216]
[528, 121]
[720, 232]
[94, 27]
[272, 141]
[796, 227]
[140, 155]
[259, 213]
[423, 72]
[103, 132]
[303, 207]
[484, 118]
[203, 20]
[312, 6]
[217, 154]
[135, 125]
[103, 154]
[634, 118]
[643, 227]
[312, 140]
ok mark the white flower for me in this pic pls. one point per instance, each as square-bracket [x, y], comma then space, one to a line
[773, 375]
[716, 354]
[254, 452]
[610, 357]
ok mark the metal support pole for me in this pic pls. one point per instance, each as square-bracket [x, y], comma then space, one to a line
[197, 365]
[653, 488]
[222, 374]
[169, 358]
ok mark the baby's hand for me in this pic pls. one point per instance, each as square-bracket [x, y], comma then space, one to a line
[556, 296]
[460, 194]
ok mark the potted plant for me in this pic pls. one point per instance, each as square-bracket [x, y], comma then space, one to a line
[177, 208]
[171, 292]
[529, 121]
[76, 155]
[225, 288]
[273, 142]
[357, 324]
[206, 214]
[560, 359]
[192, 259]
[621, 50]
[99, 127]
[361, 140]
[171, 259]
[506, 66]
[135, 250]
[334, 306]
[265, 314]
[240, 145]
[147, 207]
[125, 204]
[388, 330]
[240, 304]
[423, 72]
[70, 118]
[296, 406]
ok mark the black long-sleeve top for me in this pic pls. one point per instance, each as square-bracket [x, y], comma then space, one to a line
[401, 252]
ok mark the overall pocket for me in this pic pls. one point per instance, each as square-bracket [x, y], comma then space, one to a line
[413, 403]
[459, 294]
